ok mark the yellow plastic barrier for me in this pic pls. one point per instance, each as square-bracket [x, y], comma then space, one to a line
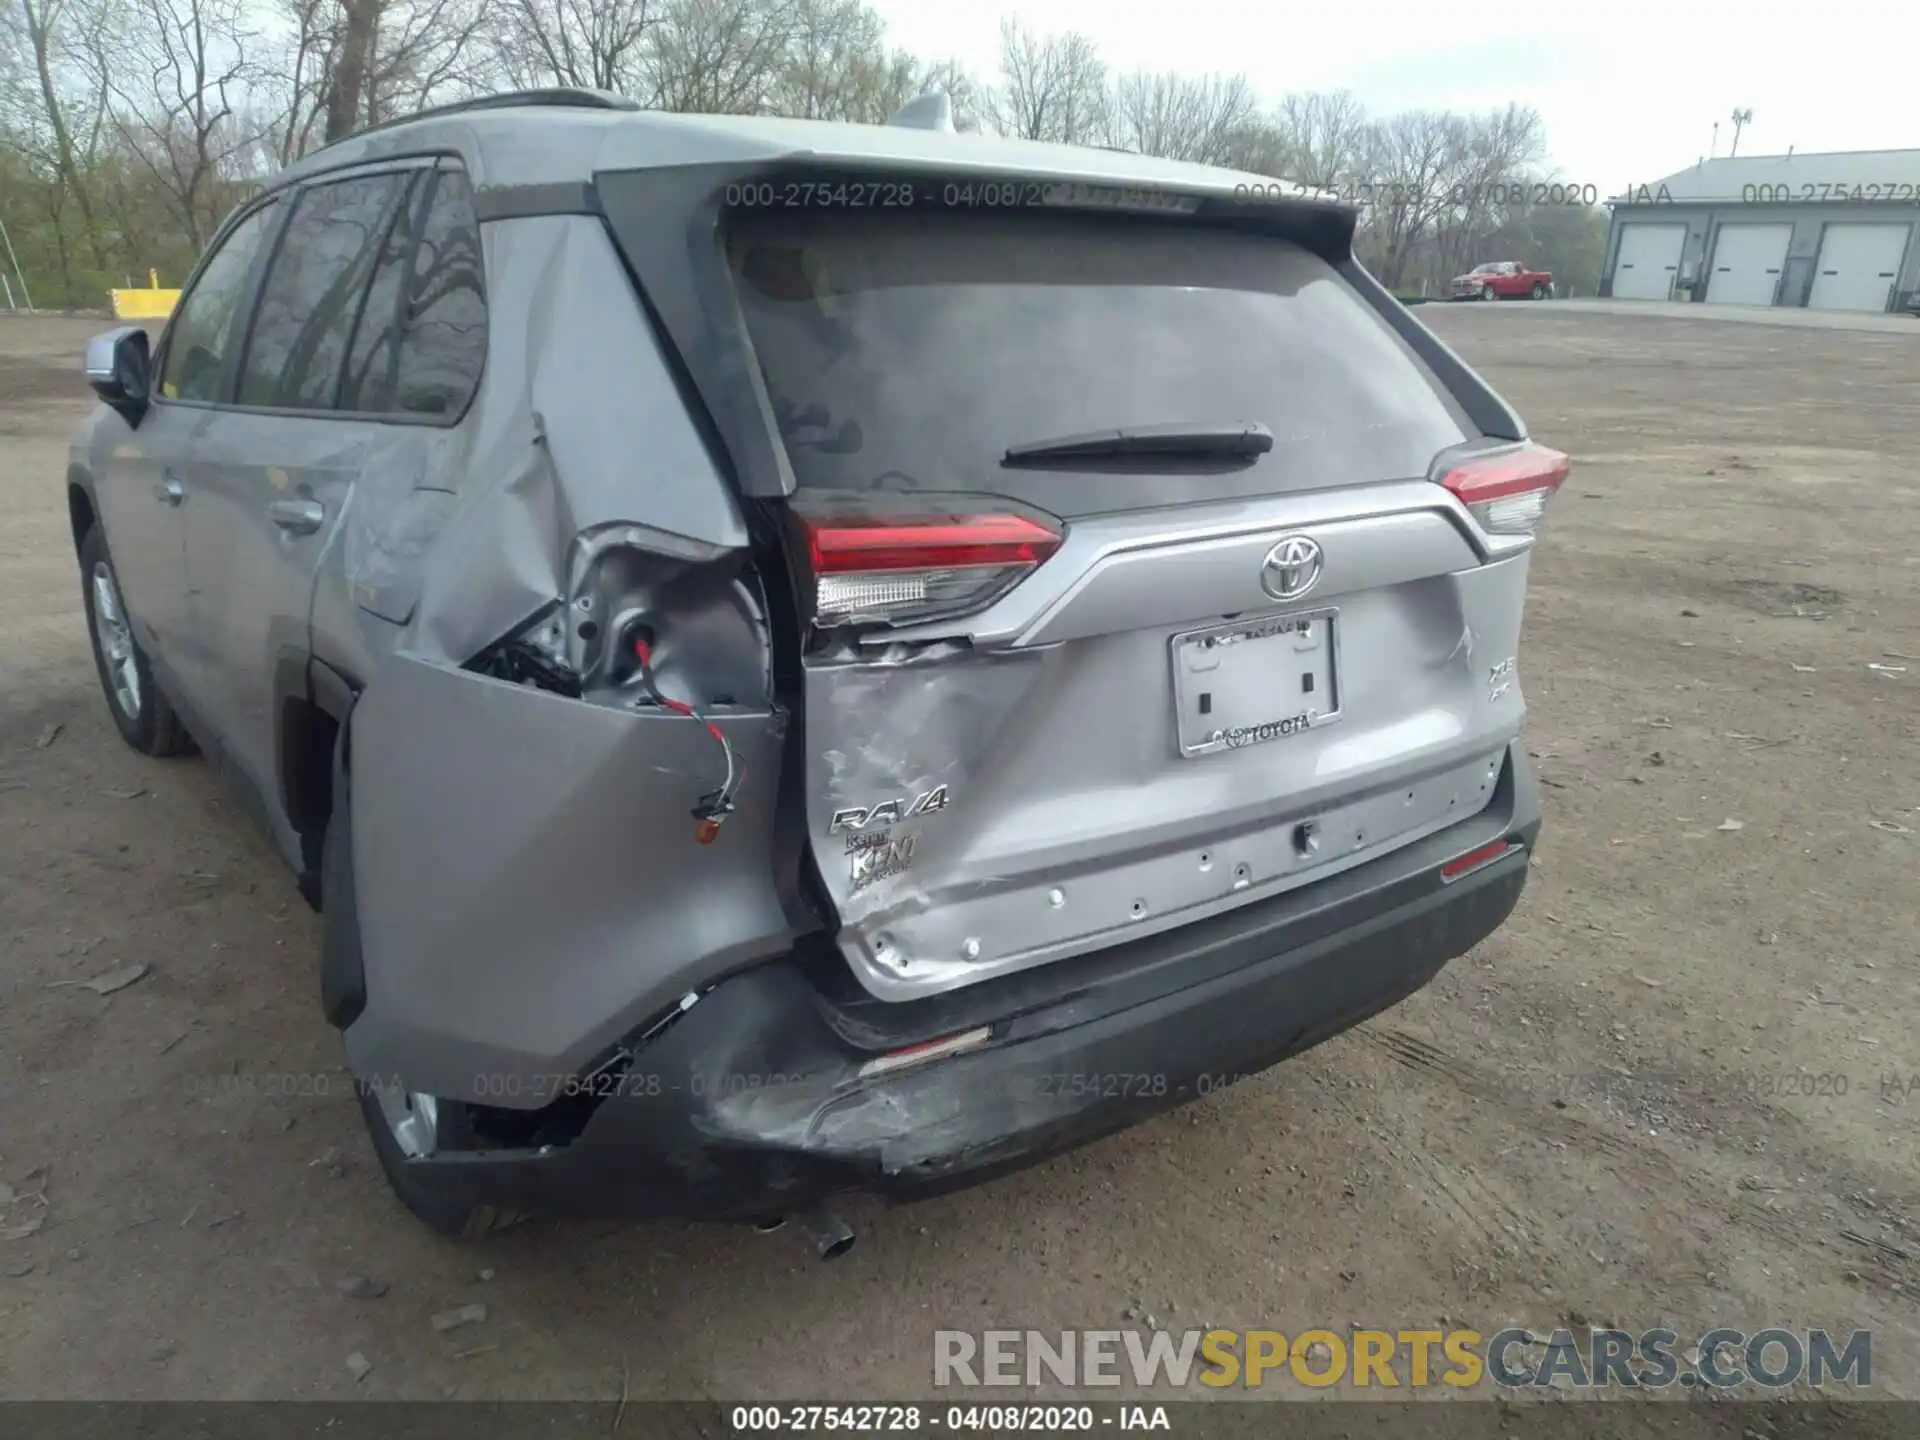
[152, 303]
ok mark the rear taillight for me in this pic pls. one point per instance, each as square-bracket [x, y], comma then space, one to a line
[1508, 492]
[869, 570]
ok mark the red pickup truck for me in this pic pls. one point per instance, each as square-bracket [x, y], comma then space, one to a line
[1503, 280]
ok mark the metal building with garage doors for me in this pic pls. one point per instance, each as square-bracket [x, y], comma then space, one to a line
[1826, 232]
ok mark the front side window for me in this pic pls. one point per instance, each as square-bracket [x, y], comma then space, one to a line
[204, 336]
[315, 289]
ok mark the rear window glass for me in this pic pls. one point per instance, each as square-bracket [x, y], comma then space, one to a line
[907, 351]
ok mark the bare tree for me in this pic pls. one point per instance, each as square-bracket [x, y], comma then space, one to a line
[51, 28]
[347, 74]
[1181, 117]
[1051, 87]
[837, 66]
[177, 90]
[1409, 159]
[423, 50]
[1260, 147]
[304, 72]
[720, 56]
[600, 44]
[382, 58]
[1325, 134]
[1499, 154]
[128, 127]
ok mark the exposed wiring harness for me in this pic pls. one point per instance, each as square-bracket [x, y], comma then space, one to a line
[715, 805]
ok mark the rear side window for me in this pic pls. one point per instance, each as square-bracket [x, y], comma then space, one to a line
[367, 383]
[315, 290]
[443, 326]
[204, 336]
[907, 351]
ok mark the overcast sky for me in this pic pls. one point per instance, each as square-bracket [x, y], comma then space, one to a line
[1630, 90]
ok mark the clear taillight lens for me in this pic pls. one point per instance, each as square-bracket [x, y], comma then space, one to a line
[1508, 492]
[875, 570]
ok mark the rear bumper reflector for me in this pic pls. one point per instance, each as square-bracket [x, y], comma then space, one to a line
[929, 1050]
[1466, 864]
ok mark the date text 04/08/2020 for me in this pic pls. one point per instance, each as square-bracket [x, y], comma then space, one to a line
[889, 1419]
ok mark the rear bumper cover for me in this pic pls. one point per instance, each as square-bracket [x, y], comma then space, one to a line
[749, 1105]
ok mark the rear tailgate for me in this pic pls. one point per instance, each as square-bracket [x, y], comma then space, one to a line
[1231, 673]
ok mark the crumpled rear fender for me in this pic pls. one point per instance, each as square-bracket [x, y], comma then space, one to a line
[527, 882]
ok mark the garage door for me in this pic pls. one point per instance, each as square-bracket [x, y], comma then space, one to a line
[1858, 265]
[1649, 261]
[1747, 260]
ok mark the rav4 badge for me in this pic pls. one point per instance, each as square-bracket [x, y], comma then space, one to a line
[889, 812]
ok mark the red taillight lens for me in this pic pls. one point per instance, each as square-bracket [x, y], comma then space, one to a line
[869, 570]
[1507, 493]
[1474, 859]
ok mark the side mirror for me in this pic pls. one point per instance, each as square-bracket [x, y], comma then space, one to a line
[120, 369]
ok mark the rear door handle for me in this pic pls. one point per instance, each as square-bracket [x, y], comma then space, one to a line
[298, 517]
[172, 492]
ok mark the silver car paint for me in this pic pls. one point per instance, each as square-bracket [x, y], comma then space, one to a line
[523, 865]
[1073, 824]
[522, 859]
[250, 582]
[538, 148]
[521, 856]
[129, 471]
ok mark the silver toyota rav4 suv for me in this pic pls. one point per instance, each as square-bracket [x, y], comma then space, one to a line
[800, 658]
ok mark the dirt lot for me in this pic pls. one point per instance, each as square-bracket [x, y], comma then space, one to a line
[1596, 1117]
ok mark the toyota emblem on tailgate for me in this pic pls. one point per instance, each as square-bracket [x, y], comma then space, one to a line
[1291, 568]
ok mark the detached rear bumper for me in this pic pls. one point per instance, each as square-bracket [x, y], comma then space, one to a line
[750, 1104]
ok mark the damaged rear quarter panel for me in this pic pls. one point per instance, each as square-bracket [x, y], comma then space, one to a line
[463, 534]
[529, 886]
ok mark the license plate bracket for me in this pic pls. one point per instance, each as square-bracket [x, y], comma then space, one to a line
[1254, 681]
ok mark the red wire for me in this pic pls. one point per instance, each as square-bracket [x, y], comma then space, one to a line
[679, 707]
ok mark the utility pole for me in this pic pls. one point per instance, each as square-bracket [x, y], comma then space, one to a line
[1741, 119]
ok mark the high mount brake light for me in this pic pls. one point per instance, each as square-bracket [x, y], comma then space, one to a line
[902, 571]
[1507, 493]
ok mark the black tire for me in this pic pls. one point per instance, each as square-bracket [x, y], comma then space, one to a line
[449, 1213]
[1487, 292]
[141, 712]
[1540, 292]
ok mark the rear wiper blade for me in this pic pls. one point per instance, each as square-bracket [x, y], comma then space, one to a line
[1232, 440]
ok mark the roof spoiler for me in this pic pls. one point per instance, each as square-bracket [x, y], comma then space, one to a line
[931, 111]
